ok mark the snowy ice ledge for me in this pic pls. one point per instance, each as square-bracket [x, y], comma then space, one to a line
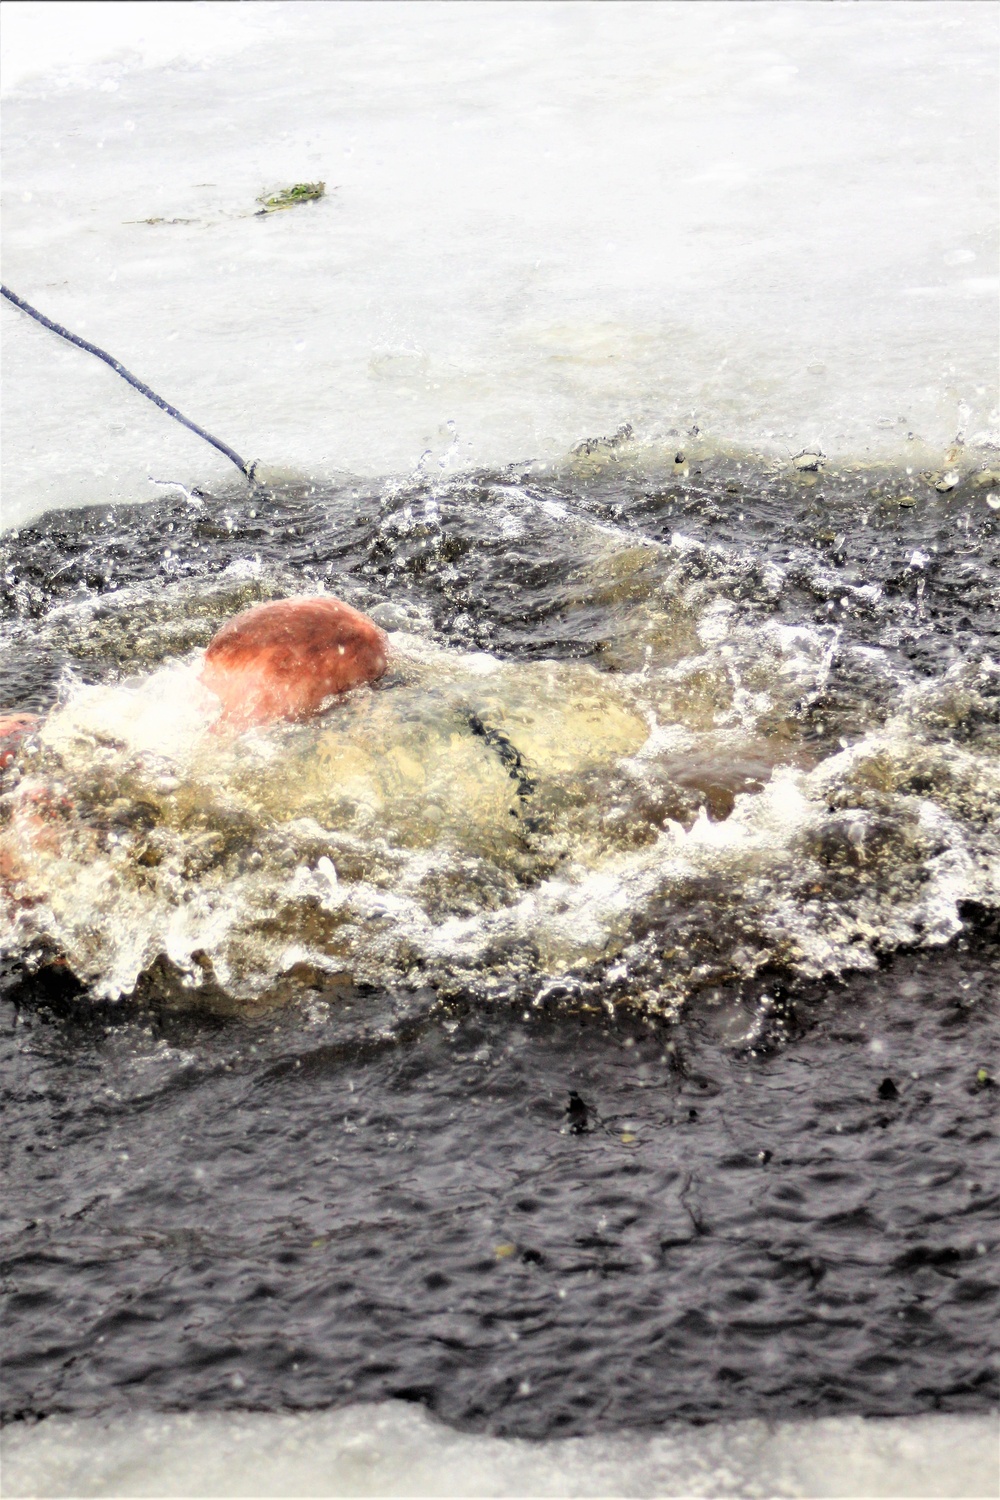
[394, 1449]
[777, 221]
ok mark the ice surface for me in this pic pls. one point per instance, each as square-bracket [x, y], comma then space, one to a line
[777, 221]
[394, 1449]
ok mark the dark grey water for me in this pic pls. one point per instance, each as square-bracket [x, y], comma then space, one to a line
[297, 1214]
[720, 1144]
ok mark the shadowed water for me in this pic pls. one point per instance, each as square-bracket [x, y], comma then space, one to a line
[532, 1224]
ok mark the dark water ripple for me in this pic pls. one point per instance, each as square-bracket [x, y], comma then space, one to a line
[382, 1202]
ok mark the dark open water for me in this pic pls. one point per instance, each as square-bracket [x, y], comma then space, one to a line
[664, 1126]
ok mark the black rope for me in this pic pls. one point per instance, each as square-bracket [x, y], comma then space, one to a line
[245, 469]
[509, 754]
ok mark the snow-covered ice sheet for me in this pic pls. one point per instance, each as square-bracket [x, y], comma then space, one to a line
[396, 1449]
[777, 221]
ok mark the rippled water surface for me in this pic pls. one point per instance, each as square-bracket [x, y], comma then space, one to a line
[592, 1024]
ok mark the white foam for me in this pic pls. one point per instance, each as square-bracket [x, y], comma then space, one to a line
[161, 716]
[394, 1449]
[775, 220]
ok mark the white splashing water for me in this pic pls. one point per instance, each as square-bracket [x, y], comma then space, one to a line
[137, 830]
[777, 221]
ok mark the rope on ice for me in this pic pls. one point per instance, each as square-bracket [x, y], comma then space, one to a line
[247, 470]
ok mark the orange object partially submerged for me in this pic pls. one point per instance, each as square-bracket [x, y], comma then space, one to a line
[13, 729]
[286, 659]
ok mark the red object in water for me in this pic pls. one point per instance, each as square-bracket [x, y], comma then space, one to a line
[13, 729]
[286, 659]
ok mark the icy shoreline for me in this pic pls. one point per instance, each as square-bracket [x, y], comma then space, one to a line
[396, 1449]
[774, 222]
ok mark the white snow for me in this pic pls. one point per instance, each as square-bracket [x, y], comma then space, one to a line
[776, 220]
[395, 1449]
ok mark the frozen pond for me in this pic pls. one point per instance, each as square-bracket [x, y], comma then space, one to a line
[775, 221]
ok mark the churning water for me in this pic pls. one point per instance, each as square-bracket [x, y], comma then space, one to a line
[644, 734]
[592, 1026]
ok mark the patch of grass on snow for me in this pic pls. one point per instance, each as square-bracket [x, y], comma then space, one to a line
[300, 192]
